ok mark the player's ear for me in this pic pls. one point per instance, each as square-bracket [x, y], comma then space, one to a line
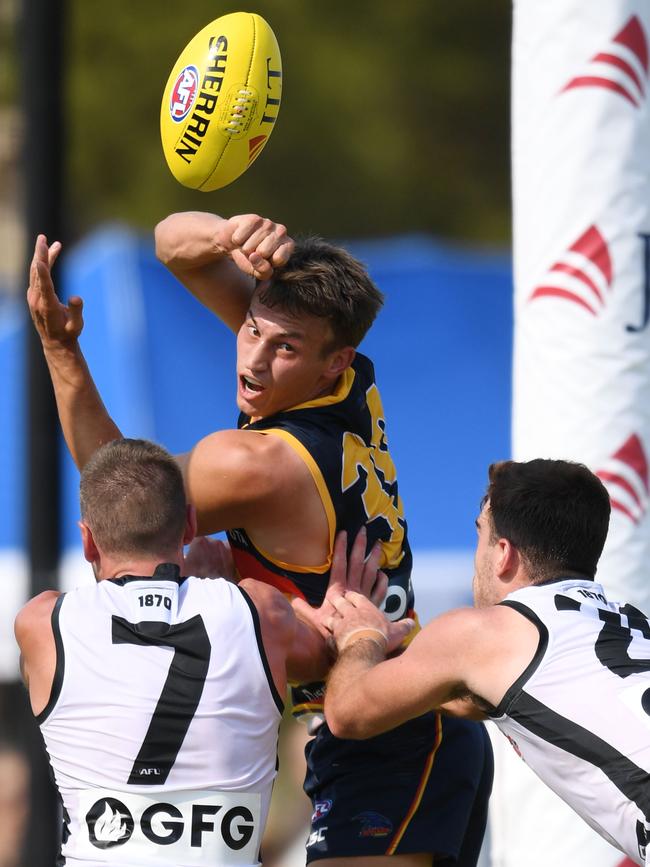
[340, 359]
[90, 550]
[190, 524]
[507, 560]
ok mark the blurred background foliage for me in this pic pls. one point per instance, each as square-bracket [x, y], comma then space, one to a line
[394, 117]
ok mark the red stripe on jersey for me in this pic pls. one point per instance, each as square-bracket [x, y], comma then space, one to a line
[249, 567]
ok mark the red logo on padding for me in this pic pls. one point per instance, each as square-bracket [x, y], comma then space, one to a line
[582, 275]
[621, 68]
[625, 475]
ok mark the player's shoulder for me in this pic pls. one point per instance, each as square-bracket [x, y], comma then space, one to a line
[240, 446]
[488, 638]
[34, 615]
[478, 624]
[244, 456]
[472, 632]
[503, 620]
[273, 608]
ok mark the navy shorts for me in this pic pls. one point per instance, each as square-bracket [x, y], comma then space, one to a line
[422, 787]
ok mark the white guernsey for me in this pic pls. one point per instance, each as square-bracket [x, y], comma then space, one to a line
[563, 671]
[159, 696]
[578, 715]
[151, 661]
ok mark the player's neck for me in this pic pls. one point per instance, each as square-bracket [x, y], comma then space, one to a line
[144, 566]
[321, 390]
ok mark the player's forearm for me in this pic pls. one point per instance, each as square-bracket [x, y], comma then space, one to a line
[195, 246]
[85, 422]
[309, 658]
[348, 710]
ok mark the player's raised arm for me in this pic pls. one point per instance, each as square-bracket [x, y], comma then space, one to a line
[219, 260]
[86, 423]
[459, 662]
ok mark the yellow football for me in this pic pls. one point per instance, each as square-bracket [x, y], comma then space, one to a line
[221, 101]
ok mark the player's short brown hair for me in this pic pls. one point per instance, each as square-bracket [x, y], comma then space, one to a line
[556, 513]
[321, 279]
[132, 498]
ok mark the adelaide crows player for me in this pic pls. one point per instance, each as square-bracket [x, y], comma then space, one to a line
[309, 457]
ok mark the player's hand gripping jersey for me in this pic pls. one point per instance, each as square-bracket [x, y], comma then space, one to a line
[342, 440]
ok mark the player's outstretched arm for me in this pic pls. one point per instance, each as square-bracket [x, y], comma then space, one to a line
[297, 637]
[368, 694]
[220, 260]
[86, 423]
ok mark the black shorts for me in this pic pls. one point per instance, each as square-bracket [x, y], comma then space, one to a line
[422, 787]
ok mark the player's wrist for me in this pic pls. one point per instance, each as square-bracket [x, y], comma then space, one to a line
[363, 633]
[61, 352]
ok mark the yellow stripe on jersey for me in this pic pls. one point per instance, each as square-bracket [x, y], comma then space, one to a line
[341, 391]
[308, 707]
[324, 494]
[428, 765]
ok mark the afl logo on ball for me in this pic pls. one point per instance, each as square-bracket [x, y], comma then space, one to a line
[110, 823]
[184, 93]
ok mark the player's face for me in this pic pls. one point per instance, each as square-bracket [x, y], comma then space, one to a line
[280, 361]
[484, 584]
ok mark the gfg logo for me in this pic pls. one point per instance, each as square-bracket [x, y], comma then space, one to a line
[110, 823]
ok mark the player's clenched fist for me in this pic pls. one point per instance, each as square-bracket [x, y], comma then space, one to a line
[55, 322]
[257, 245]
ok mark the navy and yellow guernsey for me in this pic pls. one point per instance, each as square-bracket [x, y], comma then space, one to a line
[342, 439]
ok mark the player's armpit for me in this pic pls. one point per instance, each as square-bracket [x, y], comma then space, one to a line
[85, 421]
